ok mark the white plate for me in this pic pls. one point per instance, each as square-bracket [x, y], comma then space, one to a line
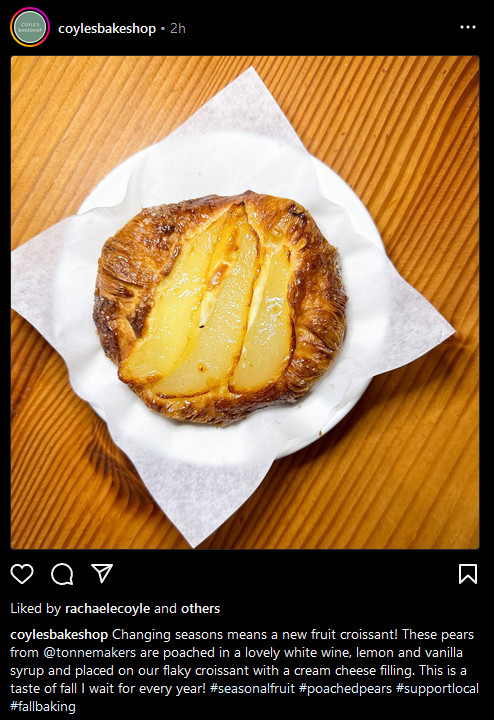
[111, 190]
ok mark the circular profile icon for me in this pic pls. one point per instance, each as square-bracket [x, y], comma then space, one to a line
[29, 27]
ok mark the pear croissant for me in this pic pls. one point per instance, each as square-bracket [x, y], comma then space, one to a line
[214, 307]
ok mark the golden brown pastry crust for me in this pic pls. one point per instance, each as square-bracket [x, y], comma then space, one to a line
[139, 255]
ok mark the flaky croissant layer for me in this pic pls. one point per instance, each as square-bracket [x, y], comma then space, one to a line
[214, 307]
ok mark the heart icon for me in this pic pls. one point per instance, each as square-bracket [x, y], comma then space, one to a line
[21, 573]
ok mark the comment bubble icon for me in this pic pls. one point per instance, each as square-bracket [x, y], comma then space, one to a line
[62, 574]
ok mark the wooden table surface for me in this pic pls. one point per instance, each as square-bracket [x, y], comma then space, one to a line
[401, 469]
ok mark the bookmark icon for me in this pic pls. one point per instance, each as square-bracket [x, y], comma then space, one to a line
[102, 570]
[467, 572]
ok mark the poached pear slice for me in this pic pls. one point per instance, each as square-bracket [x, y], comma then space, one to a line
[220, 334]
[268, 342]
[172, 324]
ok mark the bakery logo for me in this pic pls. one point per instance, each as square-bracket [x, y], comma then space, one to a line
[29, 27]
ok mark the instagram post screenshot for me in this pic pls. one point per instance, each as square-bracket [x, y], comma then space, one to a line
[244, 362]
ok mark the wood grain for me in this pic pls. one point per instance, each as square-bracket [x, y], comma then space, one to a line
[401, 469]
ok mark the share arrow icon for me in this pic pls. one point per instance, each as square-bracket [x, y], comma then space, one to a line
[102, 570]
